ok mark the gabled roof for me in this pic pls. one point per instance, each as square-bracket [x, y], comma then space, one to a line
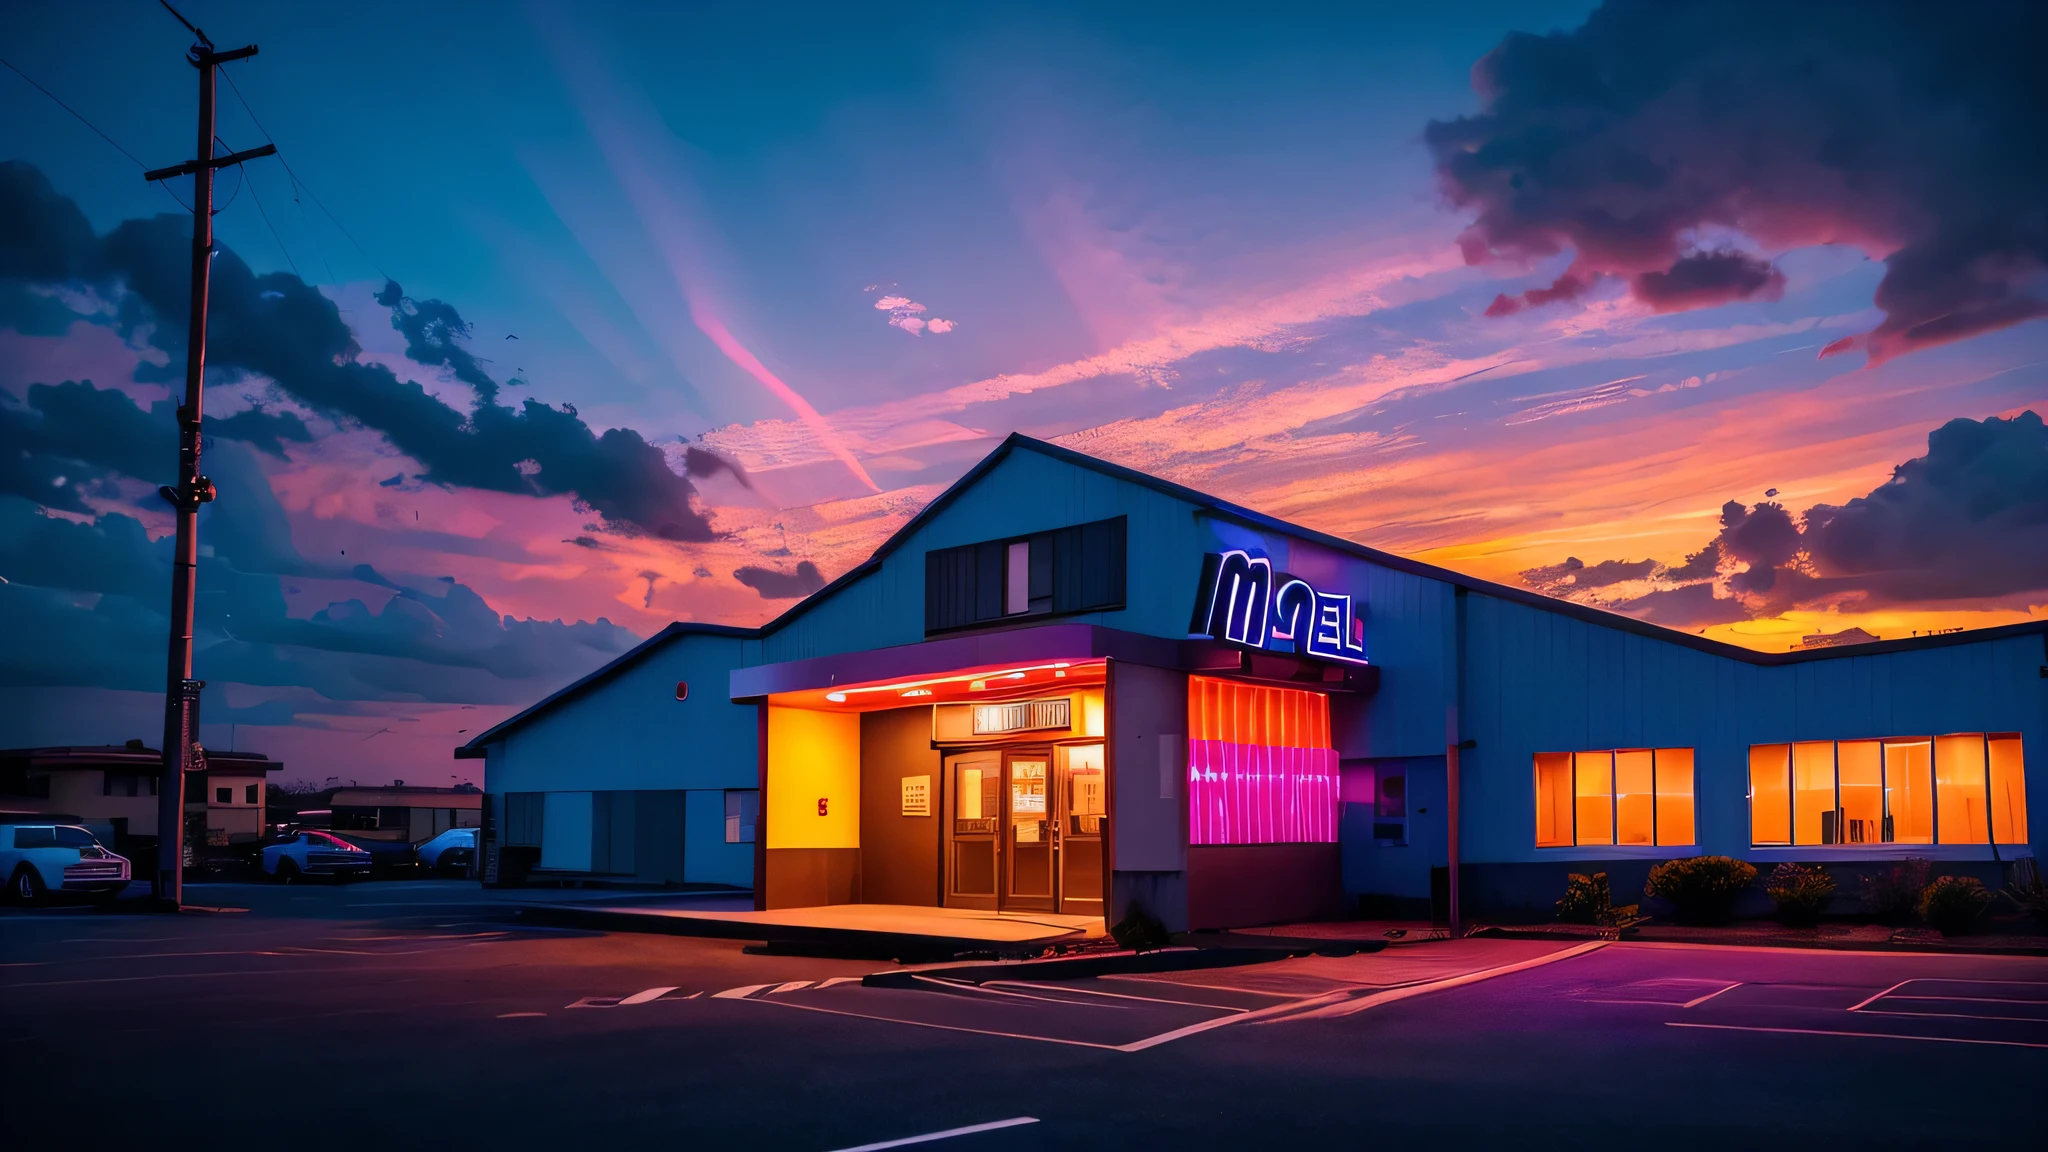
[1216, 506]
[474, 750]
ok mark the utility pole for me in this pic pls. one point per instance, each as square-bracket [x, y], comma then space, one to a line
[181, 692]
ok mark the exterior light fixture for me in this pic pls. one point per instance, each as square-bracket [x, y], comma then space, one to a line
[919, 692]
[978, 686]
[836, 697]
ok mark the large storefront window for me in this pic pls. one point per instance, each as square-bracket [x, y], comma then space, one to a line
[1634, 797]
[1967, 788]
[1261, 768]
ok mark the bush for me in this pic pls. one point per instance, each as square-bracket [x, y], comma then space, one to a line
[1953, 903]
[1139, 930]
[1588, 901]
[1800, 891]
[1703, 888]
[1893, 894]
[2028, 891]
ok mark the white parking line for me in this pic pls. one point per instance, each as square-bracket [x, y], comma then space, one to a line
[948, 1134]
[739, 993]
[791, 986]
[1124, 996]
[1699, 1000]
[649, 994]
[1860, 1035]
[1881, 995]
[968, 986]
[1350, 1003]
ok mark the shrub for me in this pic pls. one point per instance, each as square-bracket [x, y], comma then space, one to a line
[2029, 892]
[1953, 903]
[1893, 894]
[1800, 891]
[1703, 888]
[1588, 901]
[1139, 930]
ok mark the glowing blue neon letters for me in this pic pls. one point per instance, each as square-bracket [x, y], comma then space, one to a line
[1243, 601]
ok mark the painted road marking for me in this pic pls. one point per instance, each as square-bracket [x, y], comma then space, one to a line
[1860, 1035]
[739, 993]
[1880, 995]
[792, 986]
[644, 997]
[1348, 1003]
[519, 1015]
[941, 1027]
[1694, 1003]
[838, 980]
[948, 1134]
[1124, 996]
[967, 986]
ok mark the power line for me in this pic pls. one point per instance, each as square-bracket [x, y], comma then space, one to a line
[76, 113]
[297, 180]
[258, 196]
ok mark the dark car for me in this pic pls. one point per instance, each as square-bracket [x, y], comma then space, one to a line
[389, 859]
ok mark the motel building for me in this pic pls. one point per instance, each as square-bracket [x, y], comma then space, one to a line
[1068, 688]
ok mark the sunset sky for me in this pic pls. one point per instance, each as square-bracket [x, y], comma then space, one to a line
[1537, 291]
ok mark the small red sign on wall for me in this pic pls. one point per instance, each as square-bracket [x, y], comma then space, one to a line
[821, 806]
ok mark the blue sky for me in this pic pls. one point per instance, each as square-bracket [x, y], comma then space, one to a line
[1279, 254]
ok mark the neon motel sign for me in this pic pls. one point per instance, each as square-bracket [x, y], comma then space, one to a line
[1241, 600]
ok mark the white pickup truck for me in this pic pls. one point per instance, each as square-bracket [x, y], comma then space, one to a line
[38, 859]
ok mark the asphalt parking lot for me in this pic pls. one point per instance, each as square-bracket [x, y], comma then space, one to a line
[407, 1015]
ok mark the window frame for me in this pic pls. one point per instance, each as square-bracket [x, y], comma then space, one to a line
[1614, 843]
[1886, 821]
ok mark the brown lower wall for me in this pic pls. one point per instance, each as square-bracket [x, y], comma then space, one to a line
[899, 855]
[1242, 885]
[807, 877]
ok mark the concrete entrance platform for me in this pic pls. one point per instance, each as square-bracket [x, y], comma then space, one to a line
[879, 930]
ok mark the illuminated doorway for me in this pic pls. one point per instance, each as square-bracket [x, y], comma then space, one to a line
[1025, 829]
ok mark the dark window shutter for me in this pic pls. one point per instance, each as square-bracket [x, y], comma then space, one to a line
[1077, 569]
[988, 580]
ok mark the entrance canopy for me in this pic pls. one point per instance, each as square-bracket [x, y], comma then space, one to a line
[1010, 649]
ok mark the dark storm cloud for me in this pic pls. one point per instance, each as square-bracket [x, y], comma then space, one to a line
[1966, 522]
[432, 329]
[84, 604]
[1574, 575]
[703, 462]
[1969, 519]
[278, 327]
[776, 585]
[1638, 141]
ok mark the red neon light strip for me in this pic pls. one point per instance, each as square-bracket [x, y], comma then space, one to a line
[1260, 766]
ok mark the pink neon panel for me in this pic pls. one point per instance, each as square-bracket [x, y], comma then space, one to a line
[1260, 766]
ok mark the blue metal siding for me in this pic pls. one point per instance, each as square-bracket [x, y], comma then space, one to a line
[632, 733]
[1026, 492]
[1542, 682]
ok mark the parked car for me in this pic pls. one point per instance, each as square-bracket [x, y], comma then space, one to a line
[37, 858]
[388, 858]
[452, 853]
[309, 854]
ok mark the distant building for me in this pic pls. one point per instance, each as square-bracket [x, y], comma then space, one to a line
[398, 812]
[1835, 639]
[113, 788]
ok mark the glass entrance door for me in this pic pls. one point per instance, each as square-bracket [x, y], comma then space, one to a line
[1083, 812]
[974, 811]
[1030, 833]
